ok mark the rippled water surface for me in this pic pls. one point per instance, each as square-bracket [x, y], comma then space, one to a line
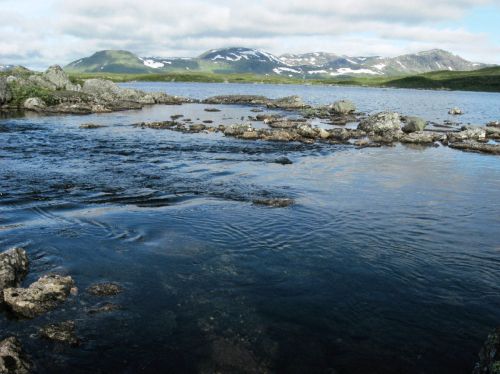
[389, 262]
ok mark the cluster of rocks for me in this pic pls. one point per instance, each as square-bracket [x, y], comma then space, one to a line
[39, 298]
[290, 102]
[94, 96]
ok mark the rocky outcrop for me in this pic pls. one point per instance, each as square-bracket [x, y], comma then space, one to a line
[421, 137]
[414, 124]
[105, 289]
[61, 332]
[236, 129]
[238, 99]
[91, 126]
[467, 133]
[455, 111]
[381, 122]
[42, 296]
[13, 268]
[289, 102]
[343, 107]
[5, 94]
[34, 103]
[59, 79]
[489, 356]
[13, 357]
[476, 147]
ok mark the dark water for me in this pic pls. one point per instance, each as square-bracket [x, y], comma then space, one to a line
[388, 263]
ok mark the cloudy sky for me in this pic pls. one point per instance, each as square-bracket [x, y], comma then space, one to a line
[38, 33]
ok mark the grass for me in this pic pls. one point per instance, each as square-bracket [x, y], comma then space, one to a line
[480, 80]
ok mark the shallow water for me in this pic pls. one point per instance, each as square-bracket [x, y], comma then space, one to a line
[388, 263]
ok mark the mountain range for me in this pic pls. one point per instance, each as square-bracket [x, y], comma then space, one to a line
[247, 60]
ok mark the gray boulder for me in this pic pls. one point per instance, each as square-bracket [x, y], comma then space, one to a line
[34, 103]
[414, 124]
[289, 102]
[5, 94]
[102, 88]
[59, 78]
[105, 289]
[61, 332]
[420, 137]
[455, 111]
[467, 133]
[237, 129]
[380, 122]
[13, 268]
[306, 131]
[42, 296]
[13, 357]
[343, 107]
[278, 135]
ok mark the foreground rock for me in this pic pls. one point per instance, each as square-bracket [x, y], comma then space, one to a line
[42, 296]
[61, 332]
[343, 107]
[13, 357]
[105, 289]
[380, 122]
[468, 133]
[13, 268]
[289, 102]
[489, 356]
[414, 124]
[276, 203]
[476, 147]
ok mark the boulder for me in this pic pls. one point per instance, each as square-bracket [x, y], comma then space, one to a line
[13, 268]
[322, 133]
[35, 80]
[380, 122]
[489, 356]
[278, 135]
[492, 132]
[59, 78]
[42, 296]
[105, 289]
[343, 107]
[13, 357]
[420, 137]
[289, 102]
[237, 129]
[475, 147]
[250, 135]
[340, 134]
[306, 131]
[34, 103]
[61, 332]
[467, 133]
[493, 124]
[414, 124]
[5, 94]
[455, 111]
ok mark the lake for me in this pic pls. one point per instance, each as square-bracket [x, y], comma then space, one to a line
[389, 262]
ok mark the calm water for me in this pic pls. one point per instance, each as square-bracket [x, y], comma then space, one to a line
[388, 263]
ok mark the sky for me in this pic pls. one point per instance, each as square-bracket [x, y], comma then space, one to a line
[37, 33]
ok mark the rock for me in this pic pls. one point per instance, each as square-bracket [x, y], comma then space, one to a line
[197, 128]
[283, 161]
[35, 80]
[380, 122]
[286, 124]
[61, 332]
[489, 356]
[276, 203]
[414, 124]
[278, 135]
[105, 289]
[91, 126]
[69, 108]
[42, 296]
[59, 78]
[104, 308]
[34, 103]
[263, 117]
[289, 102]
[420, 137]
[13, 357]
[492, 132]
[472, 146]
[455, 111]
[212, 110]
[467, 133]
[322, 133]
[237, 129]
[340, 134]
[493, 124]
[389, 136]
[238, 99]
[5, 94]
[343, 107]
[250, 135]
[306, 131]
[13, 268]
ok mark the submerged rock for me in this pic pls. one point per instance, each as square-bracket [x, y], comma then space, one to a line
[104, 308]
[277, 203]
[40, 297]
[61, 332]
[489, 356]
[212, 110]
[105, 289]
[455, 111]
[414, 124]
[381, 122]
[13, 357]
[13, 268]
[283, 161]
[343, 107]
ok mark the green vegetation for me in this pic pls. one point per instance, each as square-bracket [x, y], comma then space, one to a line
[21, 93]
[479, 80]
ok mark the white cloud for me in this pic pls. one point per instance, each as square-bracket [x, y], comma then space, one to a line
[38, 34]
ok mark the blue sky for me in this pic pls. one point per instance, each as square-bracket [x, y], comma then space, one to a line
[39, 33]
